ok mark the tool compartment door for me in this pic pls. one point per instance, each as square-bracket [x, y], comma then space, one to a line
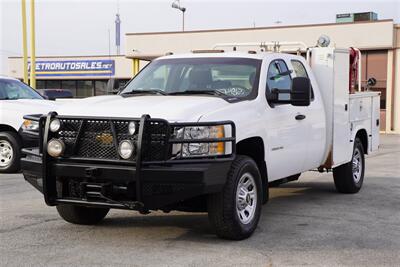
[375, 123]
[341, 146]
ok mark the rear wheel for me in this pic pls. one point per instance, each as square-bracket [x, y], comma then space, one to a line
[82, 215]
[236, 210]
[10, 153]
[349, 177]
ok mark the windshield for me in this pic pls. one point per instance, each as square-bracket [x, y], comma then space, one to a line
[226, 77]
[12, 90]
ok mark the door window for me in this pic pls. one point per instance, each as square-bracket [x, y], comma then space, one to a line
[278, 77]
[275, 79]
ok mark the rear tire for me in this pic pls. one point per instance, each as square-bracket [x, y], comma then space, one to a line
[349, 177]
[81, 215]
[10, 152]
[236, 210]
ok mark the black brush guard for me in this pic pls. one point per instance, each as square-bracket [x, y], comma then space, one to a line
[143, 163]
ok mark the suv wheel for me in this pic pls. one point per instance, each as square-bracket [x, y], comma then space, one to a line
[349, 177]
[236, 210]
[81, 215]
[9, 152]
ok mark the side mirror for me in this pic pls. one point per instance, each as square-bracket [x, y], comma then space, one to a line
[300, 94]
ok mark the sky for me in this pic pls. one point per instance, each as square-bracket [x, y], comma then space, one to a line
[84, 27]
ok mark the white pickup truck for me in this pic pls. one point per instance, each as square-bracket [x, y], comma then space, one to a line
[206, 131]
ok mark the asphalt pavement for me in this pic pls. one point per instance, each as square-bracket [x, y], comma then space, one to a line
[305, 223]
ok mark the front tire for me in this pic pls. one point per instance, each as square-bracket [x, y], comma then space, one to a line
[10, 152]
[349, 177]
[236, 210]
[81, 215]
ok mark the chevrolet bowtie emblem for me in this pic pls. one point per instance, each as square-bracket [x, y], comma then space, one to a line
[104, 138]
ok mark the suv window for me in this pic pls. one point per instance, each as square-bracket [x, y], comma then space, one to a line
[14, 89]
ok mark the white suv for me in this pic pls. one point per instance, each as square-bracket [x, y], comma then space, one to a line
[16, 100]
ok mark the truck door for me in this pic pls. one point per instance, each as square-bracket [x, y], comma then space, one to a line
[314, 119]
[286, 128]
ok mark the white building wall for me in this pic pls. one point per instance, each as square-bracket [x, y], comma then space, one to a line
[360, 35]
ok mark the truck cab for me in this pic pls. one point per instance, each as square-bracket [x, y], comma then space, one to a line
[206, 131]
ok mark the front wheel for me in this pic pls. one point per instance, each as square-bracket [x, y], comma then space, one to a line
[349, 177]
[10, 153]
[81, 215]
[236, 210]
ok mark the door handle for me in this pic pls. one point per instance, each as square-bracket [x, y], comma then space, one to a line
[300, 117]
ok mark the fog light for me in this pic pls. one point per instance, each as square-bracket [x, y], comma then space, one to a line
[55, 147]
[126, 149]
[55, 125]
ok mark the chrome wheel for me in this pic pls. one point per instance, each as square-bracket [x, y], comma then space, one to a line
[6, 153]
[357, 165]
[246, 198]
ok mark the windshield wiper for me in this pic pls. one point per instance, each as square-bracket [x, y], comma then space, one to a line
[198, 92]
[150, 91]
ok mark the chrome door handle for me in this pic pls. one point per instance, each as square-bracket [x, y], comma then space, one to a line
[300, 117]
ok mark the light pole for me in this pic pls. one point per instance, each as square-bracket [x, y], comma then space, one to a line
[32, 82]
[176, 4]
[24, 42]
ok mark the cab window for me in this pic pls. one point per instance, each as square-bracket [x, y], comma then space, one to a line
[278, 77]
[274, 78]
[300, 71]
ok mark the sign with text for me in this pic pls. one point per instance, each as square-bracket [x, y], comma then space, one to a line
[97, 67]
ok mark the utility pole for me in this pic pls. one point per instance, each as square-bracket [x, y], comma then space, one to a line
[183, 19]
[177, 5]
[24, 42]
[118, 33]
[33, 51]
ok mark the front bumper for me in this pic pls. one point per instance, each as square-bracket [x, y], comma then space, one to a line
[114, 186]
[28, 140]
[143, 184]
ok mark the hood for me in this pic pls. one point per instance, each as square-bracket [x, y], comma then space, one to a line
[171, 108]
[30, 106]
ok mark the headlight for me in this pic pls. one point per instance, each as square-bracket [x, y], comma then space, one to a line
[55, 125]
[132, 128]
[200, 149]
[199, 132]
[30, 125]
[126, 149]
[55, 147]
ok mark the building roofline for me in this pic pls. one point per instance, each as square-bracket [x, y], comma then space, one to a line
[113, 56]
[262, 28]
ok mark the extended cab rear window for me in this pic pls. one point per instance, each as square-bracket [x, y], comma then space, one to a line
[301, 71]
